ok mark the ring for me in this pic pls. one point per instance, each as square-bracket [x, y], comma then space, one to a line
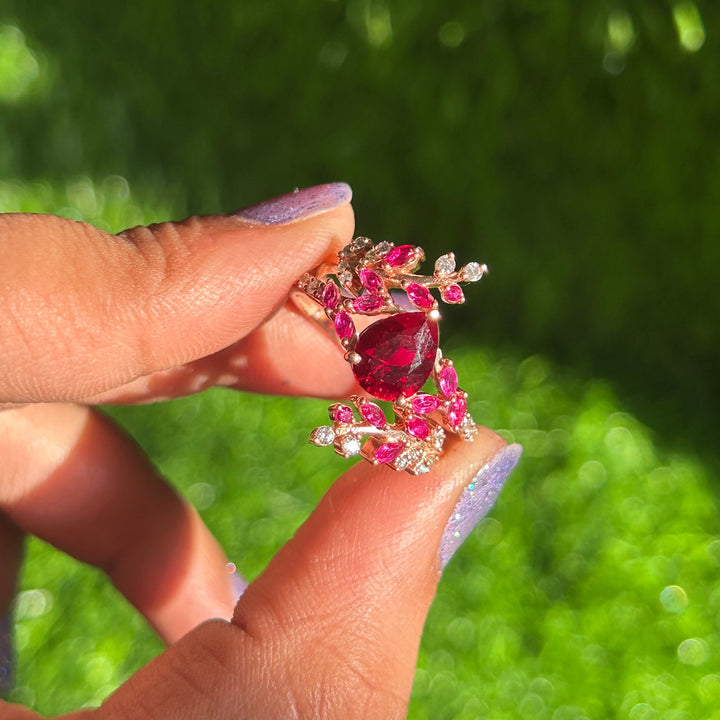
[393, 357]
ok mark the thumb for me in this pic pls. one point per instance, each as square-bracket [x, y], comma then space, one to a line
[331, 628]
[85, 311]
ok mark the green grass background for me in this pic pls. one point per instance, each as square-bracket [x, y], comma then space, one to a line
[572, 147]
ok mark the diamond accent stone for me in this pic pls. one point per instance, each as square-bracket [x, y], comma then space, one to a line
[468, 429]
[382, 248]
[345, 278]
[472, 271]
[350, 445]
[323, 435]
[445, 264]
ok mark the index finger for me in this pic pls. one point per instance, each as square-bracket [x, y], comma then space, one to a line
[86, 313]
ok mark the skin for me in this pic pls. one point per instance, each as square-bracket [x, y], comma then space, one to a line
[331, 628]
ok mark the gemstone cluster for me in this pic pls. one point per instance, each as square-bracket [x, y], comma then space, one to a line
[395, 356]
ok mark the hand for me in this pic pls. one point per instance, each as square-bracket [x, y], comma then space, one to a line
[331, 628]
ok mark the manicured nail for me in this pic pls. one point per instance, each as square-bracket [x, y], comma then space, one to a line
[237, 581]
[298, 205]
[477, 499]
[6, 654]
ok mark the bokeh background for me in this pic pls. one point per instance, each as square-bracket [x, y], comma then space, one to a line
[573, 148]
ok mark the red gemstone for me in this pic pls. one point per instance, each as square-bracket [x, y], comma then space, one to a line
[373, 414]
[344, 325]
[368, 303]
[448, 381]
[397, 355]
[370, 280]
[420, 296]
[388, 452]
[456, 410]
[401, 255]
[418, 428]
[330, 295]
[425, 404]
[453, 294]
[343, 414]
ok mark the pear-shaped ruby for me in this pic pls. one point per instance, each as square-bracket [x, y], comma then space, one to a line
[397, 355]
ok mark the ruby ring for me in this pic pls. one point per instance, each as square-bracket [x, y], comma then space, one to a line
[395, 357]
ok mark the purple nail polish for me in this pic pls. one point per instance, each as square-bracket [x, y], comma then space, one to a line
[298, 205]
[6, 654]
[477, 499]
[237, 581]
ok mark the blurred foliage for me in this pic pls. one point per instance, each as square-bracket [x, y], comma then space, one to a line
[572, 147]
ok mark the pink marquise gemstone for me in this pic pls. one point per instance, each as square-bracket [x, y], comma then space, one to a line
[400, 255]
[368, 303]
[425, 404]
[456, 410]
[344, 326]
[370, 280]
[418, 428]
[453, 294]
[397, 355]
[448, 381]
[330, 295]
[373, 414]
[388, 452]
[343, 414]
[420, 296]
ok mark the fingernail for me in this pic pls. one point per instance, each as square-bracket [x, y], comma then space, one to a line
[477, 499]
[6, 654]
[237, 581]
[298, 205]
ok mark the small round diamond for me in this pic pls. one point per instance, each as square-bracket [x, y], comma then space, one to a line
[350, 445]
[323, 435]
[383, 247]
[345, 278]
[445, 264]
